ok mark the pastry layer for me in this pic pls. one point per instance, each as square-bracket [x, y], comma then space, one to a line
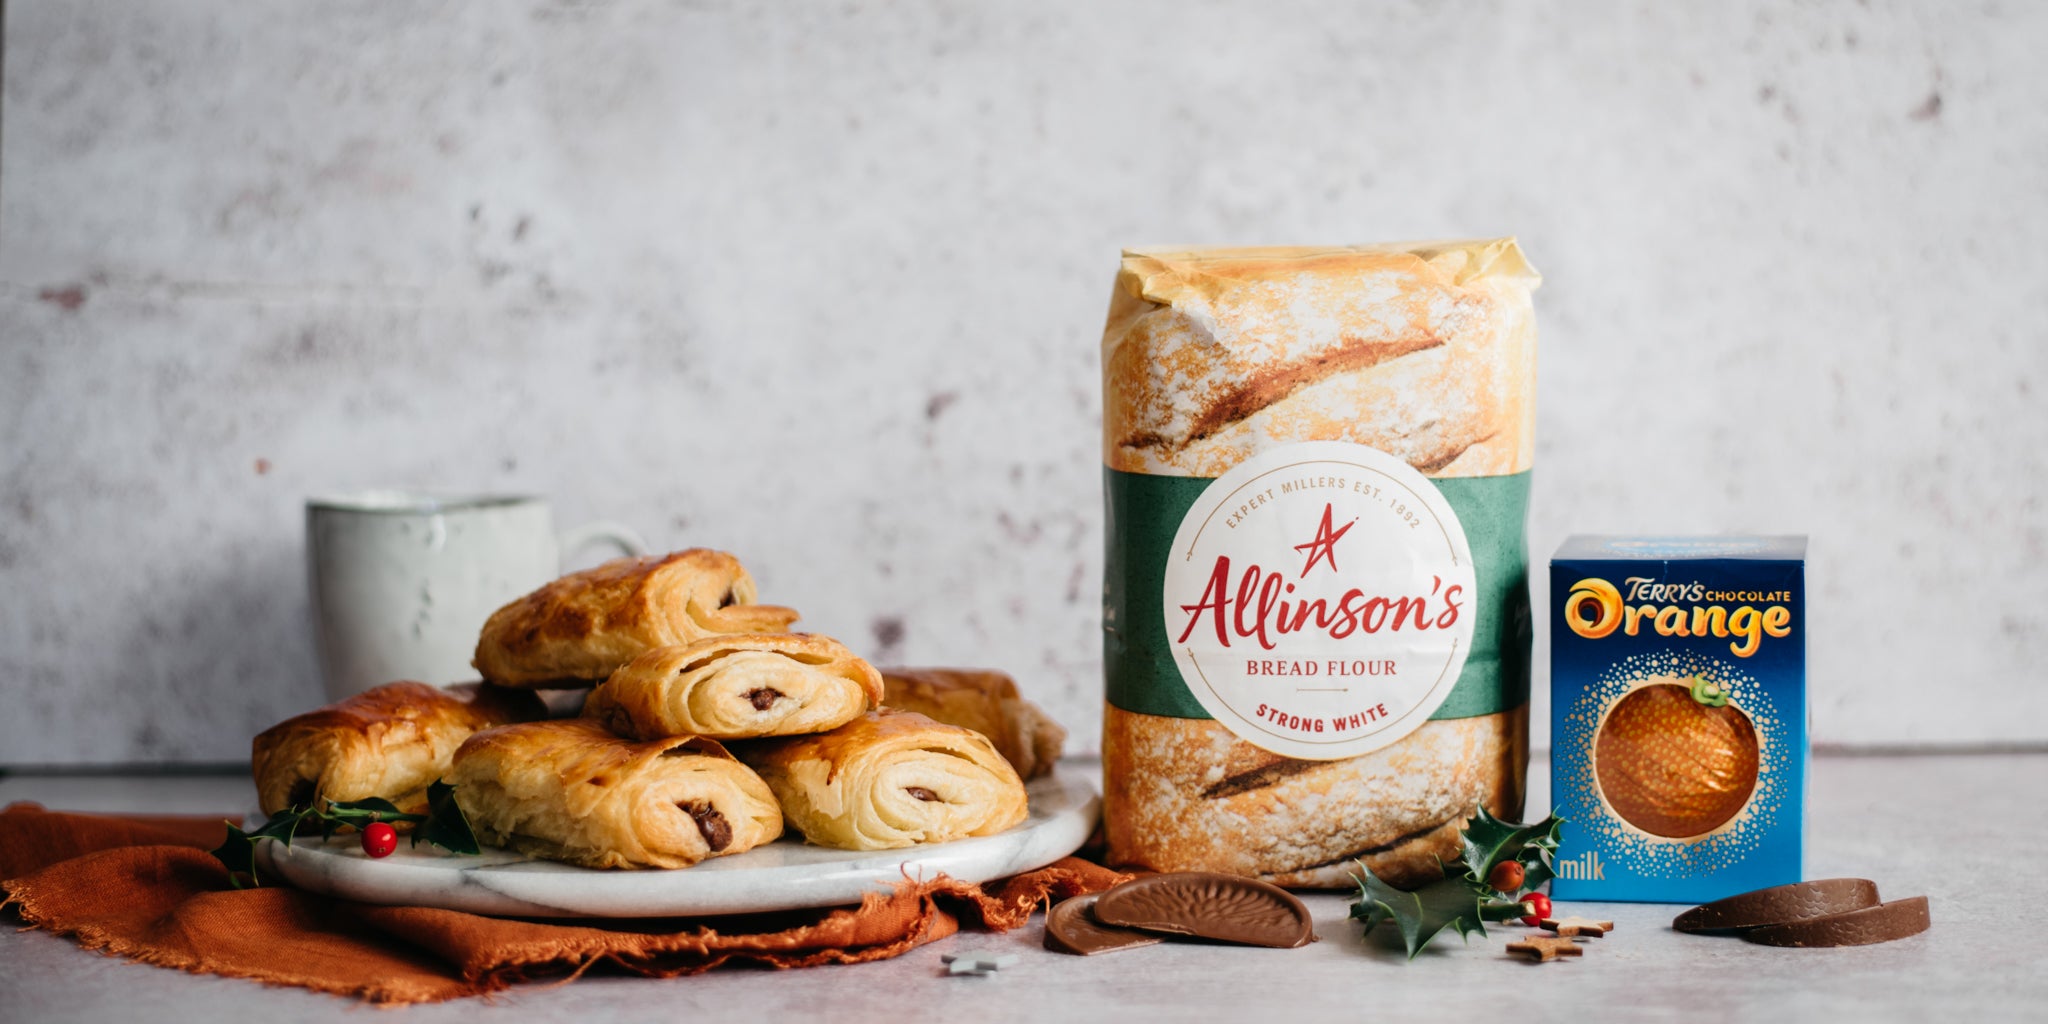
[571, 791]
[985, 701]
[890, 779]
[578, 630]
[389, 742]
[737, 687]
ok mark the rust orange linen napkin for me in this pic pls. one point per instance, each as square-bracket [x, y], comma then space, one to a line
[147, 889]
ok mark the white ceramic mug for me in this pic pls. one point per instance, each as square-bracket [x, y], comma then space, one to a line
[403, 580]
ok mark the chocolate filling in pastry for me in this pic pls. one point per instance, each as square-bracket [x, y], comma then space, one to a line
[764, 697]
[921, 793]
[711, 825]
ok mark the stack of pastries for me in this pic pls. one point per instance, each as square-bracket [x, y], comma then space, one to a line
[707, 726]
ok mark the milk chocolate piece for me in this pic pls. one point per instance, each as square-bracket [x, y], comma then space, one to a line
[1778, 904]
[1868, 926]
[1208, 905]
[1071, 927]
[1573, 927]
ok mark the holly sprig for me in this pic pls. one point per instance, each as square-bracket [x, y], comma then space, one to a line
[1464, 899]
[444, 825]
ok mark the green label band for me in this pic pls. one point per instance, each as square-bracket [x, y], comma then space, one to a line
[1144, 512]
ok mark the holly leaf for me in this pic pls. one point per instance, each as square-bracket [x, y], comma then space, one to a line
[1448, 902]
[445, 825]
[282, 825]
[238, 855]
[377, 805]
[358, 814]
[1537, 869]
[1488, 842]
[1462, 899]
[238, 852]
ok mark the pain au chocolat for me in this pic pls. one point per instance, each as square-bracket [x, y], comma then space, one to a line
[888, 780]
[571, 791]
[576, 631]
[389, 742]
[738, 687]
[985, 701]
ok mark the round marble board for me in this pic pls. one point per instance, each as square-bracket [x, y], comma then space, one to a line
[787, 874]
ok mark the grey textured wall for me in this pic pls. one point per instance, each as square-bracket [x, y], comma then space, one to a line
[822, 285]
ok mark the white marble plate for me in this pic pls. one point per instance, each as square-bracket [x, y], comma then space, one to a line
[784, 875]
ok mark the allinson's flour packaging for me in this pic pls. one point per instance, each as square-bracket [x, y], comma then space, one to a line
[1316, 618]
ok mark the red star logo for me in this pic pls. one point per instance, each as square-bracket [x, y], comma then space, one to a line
[1325, 544]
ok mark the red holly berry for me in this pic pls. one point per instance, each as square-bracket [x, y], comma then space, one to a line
[1506, 878]
[379, 839]
[1539, 903]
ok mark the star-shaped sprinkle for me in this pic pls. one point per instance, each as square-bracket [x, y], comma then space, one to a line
[1544, 948]
[1568, 927]
[978, 964]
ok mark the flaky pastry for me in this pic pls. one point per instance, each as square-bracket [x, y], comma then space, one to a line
[388, 742]
[581, 628]
[890, 779]
[738, 687]
[985, 701]
[571, 791]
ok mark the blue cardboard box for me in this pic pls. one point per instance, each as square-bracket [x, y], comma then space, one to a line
[1678, 716]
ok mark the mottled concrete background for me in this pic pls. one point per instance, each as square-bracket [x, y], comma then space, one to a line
[823, 285]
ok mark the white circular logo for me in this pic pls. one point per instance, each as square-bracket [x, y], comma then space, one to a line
[1319, 599]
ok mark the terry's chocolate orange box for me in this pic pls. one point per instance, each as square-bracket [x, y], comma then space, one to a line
[1678, 716]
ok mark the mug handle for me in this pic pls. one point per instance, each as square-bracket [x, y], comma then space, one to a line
[617, 535]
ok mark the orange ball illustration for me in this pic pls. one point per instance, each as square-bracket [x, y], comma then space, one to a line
[1674, 766]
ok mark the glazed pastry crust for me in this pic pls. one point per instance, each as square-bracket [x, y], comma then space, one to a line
[581, 628]
[738, 687]
[985, 701]
[1423, 350]
[389, 742]
[1185, 794]
[888, 780]
[571, 791]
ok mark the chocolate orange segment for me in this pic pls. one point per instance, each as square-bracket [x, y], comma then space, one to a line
[1071, 927]
[1779, 904]
[1208, 905]
[1675, 767]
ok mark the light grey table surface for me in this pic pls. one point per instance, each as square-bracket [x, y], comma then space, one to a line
[1968, 831]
